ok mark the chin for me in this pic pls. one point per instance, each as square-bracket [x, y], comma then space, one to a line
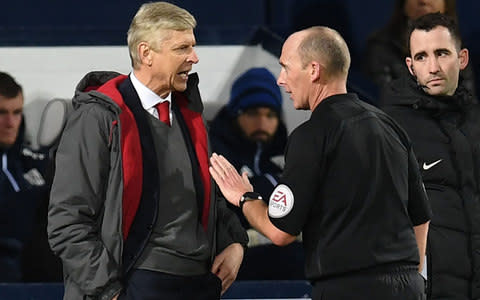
[180, 87]
[435, 92]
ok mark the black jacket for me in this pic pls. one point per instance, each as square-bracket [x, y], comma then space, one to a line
[263, 162]
[445, 133]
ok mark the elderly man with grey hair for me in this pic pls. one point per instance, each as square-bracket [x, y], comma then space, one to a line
[133, 211]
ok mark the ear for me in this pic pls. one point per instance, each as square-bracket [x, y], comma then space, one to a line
[408, 61]
[316, 71]
[463, 56]
[145, 53]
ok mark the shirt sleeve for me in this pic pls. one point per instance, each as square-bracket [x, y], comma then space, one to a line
[418, 204]
[290, 202]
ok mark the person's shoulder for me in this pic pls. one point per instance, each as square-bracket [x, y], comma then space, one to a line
[93, 109]
[95, 79]
[321, 122]
[403, 91]
[473, 113]
[340, 108]
[303, 131]
[220, 128]
[91, 114]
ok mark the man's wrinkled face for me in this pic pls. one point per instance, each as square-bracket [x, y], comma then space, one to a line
[436, 61]
[174, 59]
[258, 124]
[10, 119]
[293, 77]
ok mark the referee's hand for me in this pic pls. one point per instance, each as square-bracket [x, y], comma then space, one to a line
[232, 185]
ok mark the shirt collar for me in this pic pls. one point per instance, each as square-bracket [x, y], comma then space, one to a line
[148, 98]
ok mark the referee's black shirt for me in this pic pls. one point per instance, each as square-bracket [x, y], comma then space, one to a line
[351, 184]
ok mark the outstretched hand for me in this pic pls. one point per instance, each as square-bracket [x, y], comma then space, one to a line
[232, 185]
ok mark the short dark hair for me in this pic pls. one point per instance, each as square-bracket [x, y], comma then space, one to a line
[430, 21]
[9, 88]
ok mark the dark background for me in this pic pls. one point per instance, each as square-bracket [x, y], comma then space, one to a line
[233, 22]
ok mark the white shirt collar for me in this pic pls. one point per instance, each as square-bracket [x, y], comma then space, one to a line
[148, 98]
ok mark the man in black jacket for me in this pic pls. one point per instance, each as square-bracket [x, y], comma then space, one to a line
[351, 183]
[443, 123]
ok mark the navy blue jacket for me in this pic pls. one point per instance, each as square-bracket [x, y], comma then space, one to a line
[22, 186]
[263, 162]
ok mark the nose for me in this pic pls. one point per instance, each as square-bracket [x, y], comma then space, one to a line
[10, 120]
[280, 79]
[265, 123]
[433, 66]
[193, 58]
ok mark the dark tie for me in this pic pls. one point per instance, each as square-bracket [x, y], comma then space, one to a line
[164, 112]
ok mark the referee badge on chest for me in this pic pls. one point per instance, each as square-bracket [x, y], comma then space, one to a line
[281, 202]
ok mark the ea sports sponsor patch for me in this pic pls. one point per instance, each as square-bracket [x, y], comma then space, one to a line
[281, 201]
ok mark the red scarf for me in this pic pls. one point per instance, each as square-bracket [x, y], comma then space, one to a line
[132, 153]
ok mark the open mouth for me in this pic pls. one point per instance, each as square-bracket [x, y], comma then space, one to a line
[184, 74]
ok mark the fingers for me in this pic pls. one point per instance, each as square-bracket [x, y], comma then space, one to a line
[226, 283]
[225, 276]
[219, 272]
[216, 176]
[222, 163]
[219, 163]
[223, 167]
[245, 178]
[216, 265]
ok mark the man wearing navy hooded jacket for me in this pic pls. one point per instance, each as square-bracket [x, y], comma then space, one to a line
[251, 133]
[22, 183]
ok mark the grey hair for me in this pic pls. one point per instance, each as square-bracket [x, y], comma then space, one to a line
[150, 23]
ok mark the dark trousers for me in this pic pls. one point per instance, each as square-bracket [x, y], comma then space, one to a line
[150, 285]
[404, 283]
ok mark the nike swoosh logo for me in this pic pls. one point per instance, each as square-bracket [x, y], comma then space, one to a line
[428, 166]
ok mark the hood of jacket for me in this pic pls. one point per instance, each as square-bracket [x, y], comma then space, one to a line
[405, 91]
[85, 91]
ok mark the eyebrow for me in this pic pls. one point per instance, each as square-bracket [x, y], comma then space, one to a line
[434, 51]
[443, 50]
[18, 110]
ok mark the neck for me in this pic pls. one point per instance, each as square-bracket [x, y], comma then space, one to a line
[323, 91]
[151, 82]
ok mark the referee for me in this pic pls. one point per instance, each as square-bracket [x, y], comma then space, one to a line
[351, 183]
